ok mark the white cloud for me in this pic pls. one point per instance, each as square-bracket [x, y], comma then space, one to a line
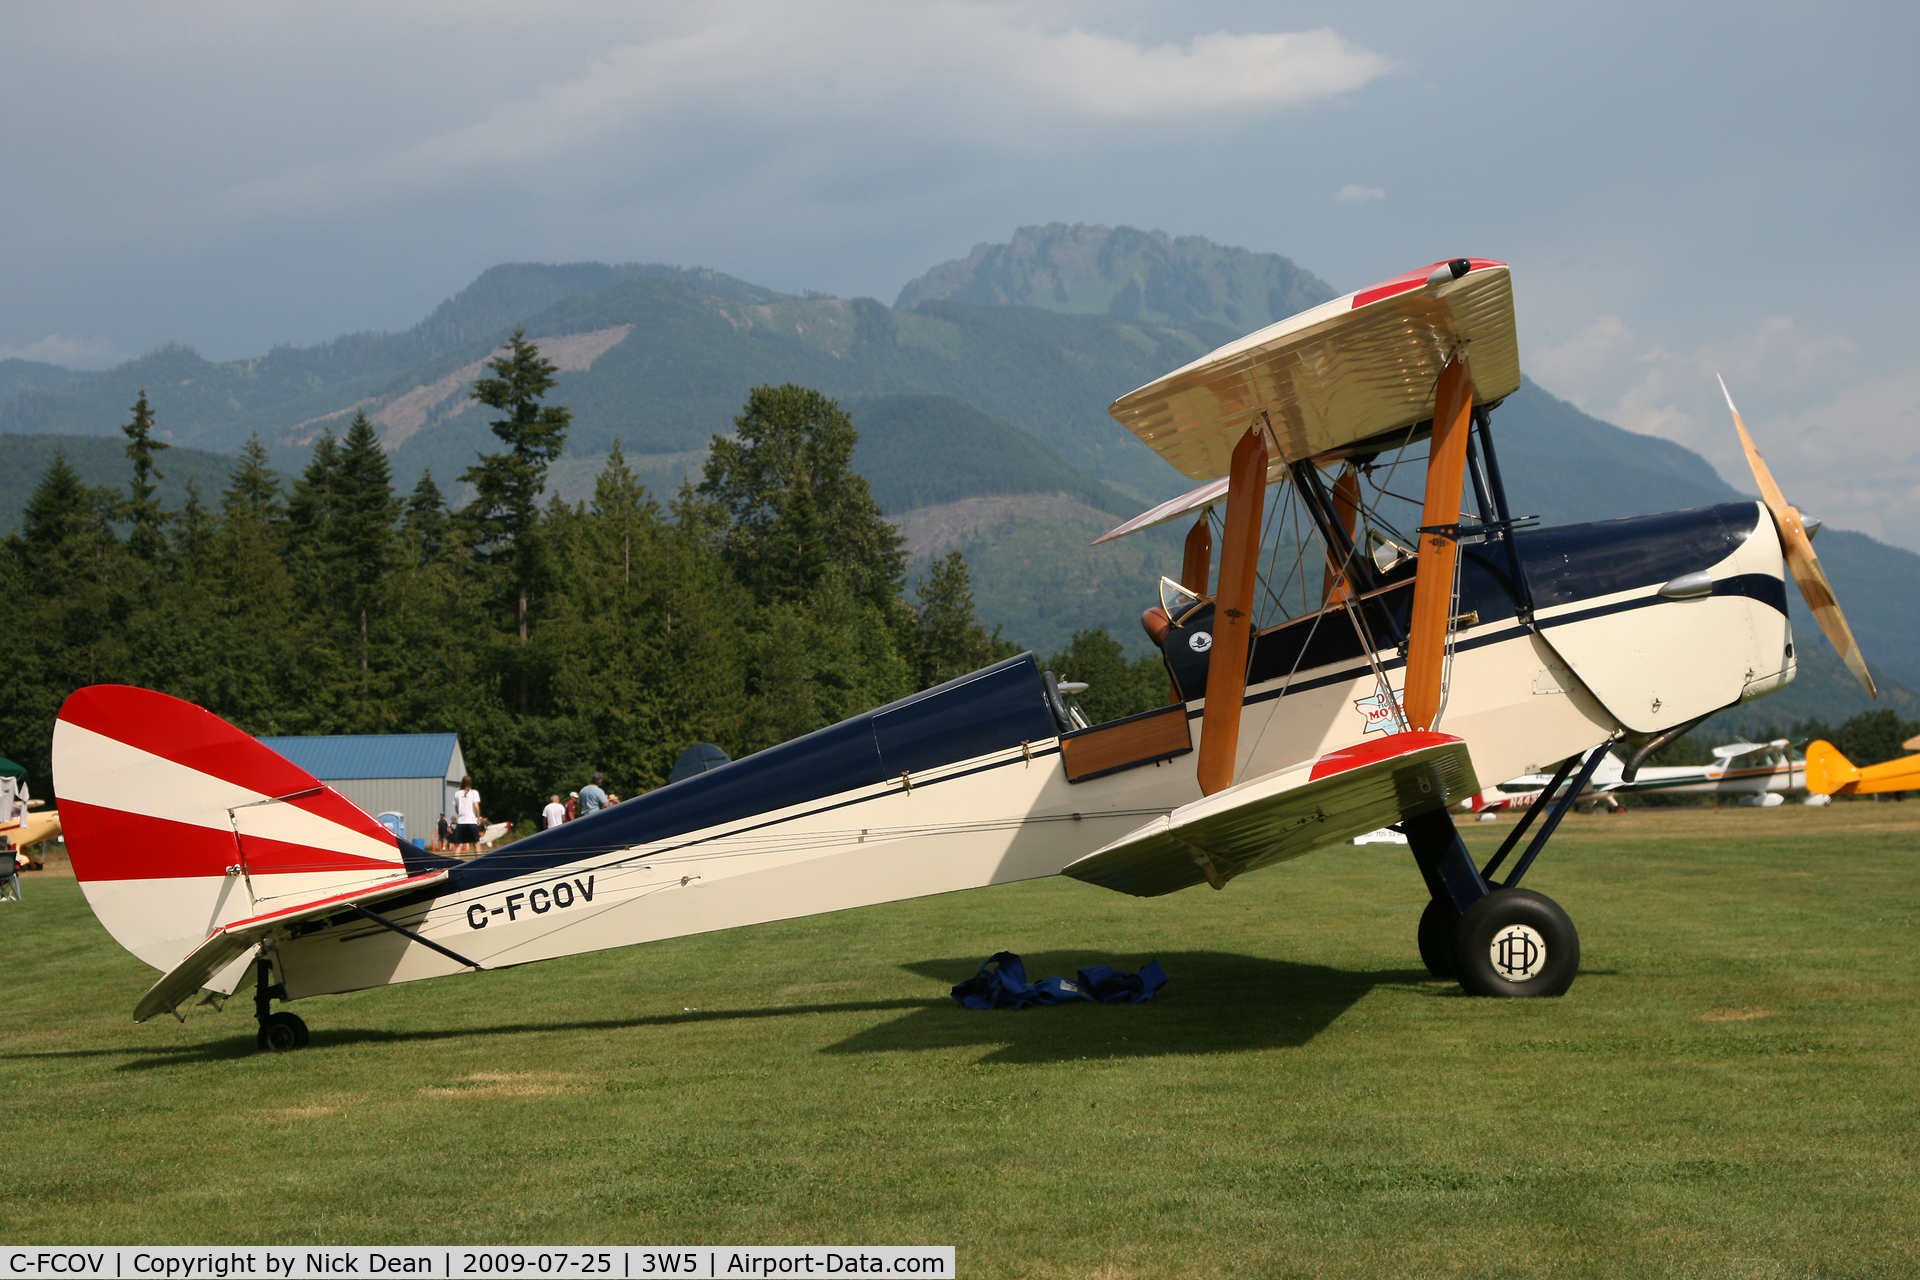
[1843, 447]
[798, 82]
[74, 353]
[1353, 191]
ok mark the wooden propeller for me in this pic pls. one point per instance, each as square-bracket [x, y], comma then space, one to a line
[1801, 561]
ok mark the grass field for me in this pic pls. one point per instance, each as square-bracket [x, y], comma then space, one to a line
[1728, 1090]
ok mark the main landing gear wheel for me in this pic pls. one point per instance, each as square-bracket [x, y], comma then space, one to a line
[1436, 937]
[1515, 942]
[282, 1032]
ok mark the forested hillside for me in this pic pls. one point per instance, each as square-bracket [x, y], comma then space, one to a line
[980, 400]
[218, 405]
[100, 460]
[555, 639]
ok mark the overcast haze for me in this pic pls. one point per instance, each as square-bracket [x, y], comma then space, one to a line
[1680, 192]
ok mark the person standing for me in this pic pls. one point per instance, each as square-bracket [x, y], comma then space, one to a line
[467, 820]
[555, 813]
[592, 797]
[573, 805]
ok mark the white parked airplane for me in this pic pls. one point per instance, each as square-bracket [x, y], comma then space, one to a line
[1414, 665]
[1749, 772]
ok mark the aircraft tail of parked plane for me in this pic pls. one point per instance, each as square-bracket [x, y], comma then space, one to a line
[179, 825]
[1829, 773]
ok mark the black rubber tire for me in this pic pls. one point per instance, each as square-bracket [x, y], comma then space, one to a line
[1497, 942]
[283, 1032]
[1436, 937]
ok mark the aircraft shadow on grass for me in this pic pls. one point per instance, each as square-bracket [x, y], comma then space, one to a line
[1214, 1002]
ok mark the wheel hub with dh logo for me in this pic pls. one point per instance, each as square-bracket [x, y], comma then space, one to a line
[1518, 953]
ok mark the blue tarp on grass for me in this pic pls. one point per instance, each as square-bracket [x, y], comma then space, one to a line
[1002, 984]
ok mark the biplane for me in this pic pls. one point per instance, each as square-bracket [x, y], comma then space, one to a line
[1374, 682]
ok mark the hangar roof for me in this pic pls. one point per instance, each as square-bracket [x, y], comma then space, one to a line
[338, 756]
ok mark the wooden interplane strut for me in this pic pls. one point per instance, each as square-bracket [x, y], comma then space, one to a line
[1337, 585]
[1433, 569]
[1233, 613]
[1197, 565]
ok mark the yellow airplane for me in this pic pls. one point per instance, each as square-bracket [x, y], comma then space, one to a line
[19, 826]
[1831, 774]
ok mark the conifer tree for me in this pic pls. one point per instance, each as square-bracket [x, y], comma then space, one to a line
[254, 487]
[251, 591]
[505, 513]
[793, 504]
[193, 542]
[61, 505]
[426, 516]
[951, 641]
[78, 568]
[311, 509]
[148, 540]
[622, 507]
[360, 536]
[503, 519]
[1116, 687]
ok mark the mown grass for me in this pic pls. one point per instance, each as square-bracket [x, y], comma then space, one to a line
[1728, 1090]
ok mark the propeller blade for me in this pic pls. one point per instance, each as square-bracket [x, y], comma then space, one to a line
[1801, 560]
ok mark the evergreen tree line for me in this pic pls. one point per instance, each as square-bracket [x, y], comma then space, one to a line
[760, 604]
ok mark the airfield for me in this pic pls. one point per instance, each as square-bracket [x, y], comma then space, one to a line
[1728, 1089]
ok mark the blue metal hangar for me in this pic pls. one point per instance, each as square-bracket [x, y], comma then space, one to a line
[411, 774]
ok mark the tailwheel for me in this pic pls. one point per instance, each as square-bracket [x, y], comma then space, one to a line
[1515, 942]
[1436, 937]
[281, 1032]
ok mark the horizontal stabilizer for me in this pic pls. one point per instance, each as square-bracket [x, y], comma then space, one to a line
[1285, 814]
[232, 940]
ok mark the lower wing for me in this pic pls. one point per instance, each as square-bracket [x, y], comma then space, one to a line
[1285, 814]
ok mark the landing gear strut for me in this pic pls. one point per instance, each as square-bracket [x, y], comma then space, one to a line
[279, 1032]
[1496, 939]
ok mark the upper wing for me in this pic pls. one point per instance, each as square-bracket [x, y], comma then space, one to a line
[1348, 374]
[231, 941]
[1285, 814]
[1738, 749]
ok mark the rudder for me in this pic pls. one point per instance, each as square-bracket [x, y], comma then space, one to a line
[178, 822]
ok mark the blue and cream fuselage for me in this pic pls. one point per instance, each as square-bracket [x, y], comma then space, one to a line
[965, 785]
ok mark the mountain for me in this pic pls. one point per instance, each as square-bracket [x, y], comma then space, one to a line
[919, 451]
[981, 400]
[1184, 281]
[18, 376]
[216, 406]
[662, 365]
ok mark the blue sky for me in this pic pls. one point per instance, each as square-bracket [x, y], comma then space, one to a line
[1681, 190]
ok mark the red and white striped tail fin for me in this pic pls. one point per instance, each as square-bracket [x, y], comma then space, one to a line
[178, 823]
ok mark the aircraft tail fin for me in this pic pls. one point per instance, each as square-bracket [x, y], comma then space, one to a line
[1830, 773]
[1827, 770]
[178, 823]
